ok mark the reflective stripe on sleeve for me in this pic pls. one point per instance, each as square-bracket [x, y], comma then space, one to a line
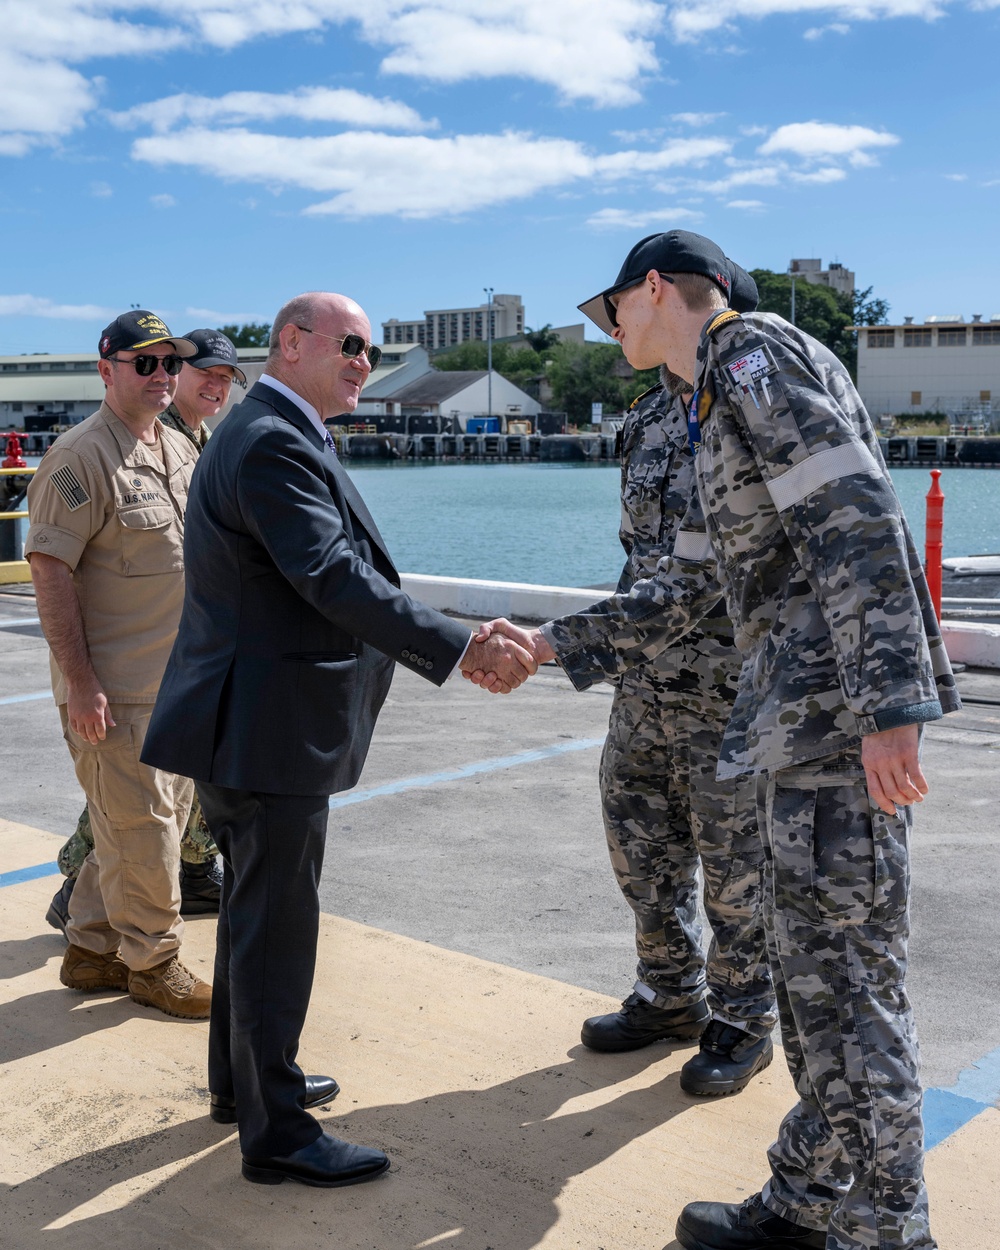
[692, 545]
[825, 466]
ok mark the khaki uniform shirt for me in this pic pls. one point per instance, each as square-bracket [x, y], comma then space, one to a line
[106, 505]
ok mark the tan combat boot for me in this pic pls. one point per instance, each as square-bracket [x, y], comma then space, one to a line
[87, 970]
[175, 991]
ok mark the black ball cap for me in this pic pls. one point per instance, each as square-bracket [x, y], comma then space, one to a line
[137, 329]
[675, 251]
[214, 348]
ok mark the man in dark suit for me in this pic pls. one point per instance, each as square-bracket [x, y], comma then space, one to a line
[293, 619]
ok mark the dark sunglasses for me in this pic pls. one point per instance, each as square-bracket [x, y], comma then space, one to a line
[609, 308]
[146, 366]
[351, 345]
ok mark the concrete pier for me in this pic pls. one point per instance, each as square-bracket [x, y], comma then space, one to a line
[471, 923]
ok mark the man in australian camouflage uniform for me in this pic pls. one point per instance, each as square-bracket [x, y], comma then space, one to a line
[203, 387]
[664, 810]
[842, 661]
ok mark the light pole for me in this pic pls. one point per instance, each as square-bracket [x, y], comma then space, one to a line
[791, 274]
[489, 349]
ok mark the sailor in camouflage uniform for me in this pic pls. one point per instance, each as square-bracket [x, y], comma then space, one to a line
[842, 662]
[664, 810]
[202, 391]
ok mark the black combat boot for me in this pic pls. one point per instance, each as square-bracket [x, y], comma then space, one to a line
[726, 1060]
[640, 1022]
[201, 888]
[58, 913]
[749, 1226]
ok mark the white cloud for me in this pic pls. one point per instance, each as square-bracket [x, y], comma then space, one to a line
[593, 50]
[162, 201]
[823, 140]
[749, 206]
[314, 104]
[957, 177]
[696, 119]
[624, 218]
[834, 28]
[101, 190]
[38, 306]
[690, 19]
[210, 317]
[411, 176]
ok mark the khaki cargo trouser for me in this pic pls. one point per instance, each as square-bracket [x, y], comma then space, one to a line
[127, 895]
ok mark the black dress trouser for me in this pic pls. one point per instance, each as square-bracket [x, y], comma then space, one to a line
[272, 850]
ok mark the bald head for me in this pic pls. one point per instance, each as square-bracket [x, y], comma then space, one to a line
[305, 310]
[305, 351]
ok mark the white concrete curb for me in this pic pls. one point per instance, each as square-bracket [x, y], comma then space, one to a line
[974, 644]
[486, 600]
[966, 642]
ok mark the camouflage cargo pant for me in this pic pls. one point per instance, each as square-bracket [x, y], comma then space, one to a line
[197, 844]
[664, 812]
[849, 1155]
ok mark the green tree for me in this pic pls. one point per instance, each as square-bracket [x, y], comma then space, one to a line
[582, 374]
[253, 334]
[518, 364]
[825, 314]
[542, 339]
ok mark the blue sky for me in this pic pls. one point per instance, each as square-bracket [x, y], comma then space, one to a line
[211, 162]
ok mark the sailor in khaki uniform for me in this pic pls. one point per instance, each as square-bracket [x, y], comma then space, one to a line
[203, 387]
[106, 551]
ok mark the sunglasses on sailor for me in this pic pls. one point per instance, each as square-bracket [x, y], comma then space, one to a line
[611, 301]
[351, 345]
[146, 366]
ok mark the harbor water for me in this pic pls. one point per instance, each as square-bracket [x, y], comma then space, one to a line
[557, 524]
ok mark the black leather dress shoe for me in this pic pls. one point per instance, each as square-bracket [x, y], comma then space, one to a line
[640, 1022]
[327, 1162]
[319, 1091]
[747, 1226]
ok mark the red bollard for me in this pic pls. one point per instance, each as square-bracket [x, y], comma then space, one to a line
[14, 459]
[933, 539]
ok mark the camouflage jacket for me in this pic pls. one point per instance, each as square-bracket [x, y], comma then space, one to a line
[176, 422]
[701, 670]
[797, 518]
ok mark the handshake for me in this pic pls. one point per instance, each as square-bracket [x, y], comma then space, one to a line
[501, 656]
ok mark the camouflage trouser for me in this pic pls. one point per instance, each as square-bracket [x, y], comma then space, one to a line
[849, 1155]
[663, 811]
[197, 845]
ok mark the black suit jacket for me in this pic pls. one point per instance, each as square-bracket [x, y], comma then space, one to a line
[292, 615]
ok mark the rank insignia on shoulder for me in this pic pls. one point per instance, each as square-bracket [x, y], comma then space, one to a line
[724, 318]
[645, 395]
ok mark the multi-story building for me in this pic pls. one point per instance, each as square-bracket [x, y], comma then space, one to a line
[837, 278]
[447, 327]
[944, 365]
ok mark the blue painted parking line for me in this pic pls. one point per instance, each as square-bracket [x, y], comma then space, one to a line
[466, 770]
[948, 1110]
[28, 874]
[26, 698]
[14, 621]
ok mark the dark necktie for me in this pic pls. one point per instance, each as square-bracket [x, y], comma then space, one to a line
[330, 442]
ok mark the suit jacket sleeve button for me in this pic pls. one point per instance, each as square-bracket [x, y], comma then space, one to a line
[405, 654]
[430, 665]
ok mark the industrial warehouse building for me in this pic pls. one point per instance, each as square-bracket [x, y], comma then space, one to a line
[944, 365]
